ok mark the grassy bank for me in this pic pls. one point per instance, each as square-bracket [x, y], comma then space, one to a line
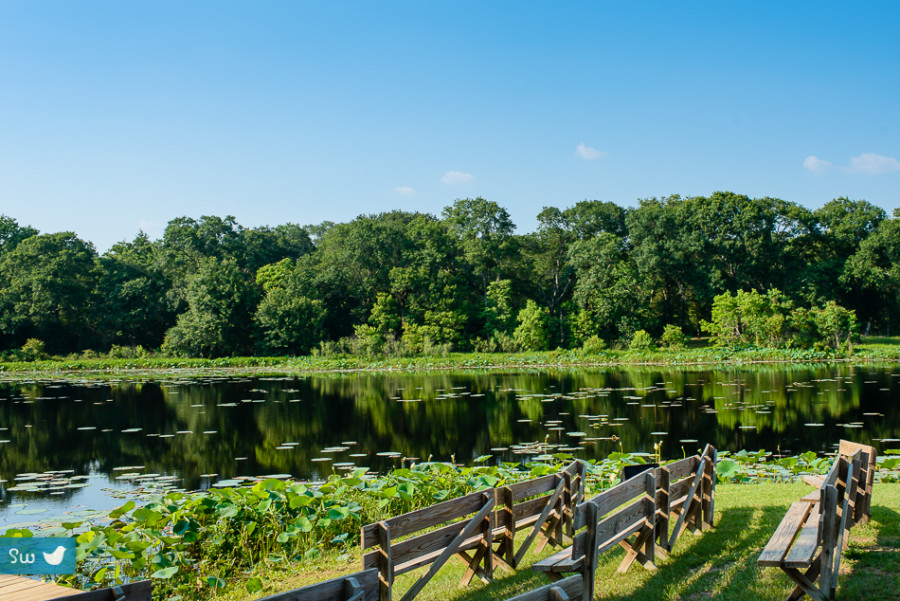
[720, 564]
[870, 350]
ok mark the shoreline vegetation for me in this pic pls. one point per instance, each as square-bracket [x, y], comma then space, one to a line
[697, 353]
[243, 542]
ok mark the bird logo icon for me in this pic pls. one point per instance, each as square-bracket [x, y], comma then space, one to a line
[55, 558]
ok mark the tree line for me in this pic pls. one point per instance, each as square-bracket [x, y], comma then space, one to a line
[407, 282]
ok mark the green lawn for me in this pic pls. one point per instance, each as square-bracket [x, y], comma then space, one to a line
[719, 564]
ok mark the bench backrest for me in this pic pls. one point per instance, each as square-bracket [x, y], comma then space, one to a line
[686, 492]
[863, 501]
[546, 505]
[135, 591]
[452, 528]
[361, 586]
[611, 517]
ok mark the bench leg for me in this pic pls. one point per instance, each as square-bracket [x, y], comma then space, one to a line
[805, 584]
[474, 567]
[634, 552]
[811, 574]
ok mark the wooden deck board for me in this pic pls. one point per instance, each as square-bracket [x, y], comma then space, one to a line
[19, 588]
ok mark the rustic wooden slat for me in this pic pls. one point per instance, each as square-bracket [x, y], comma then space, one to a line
[571, 586]
[807, 542]
[846, 520]
[529, 510]
[614, 497]
[536, 486]
[427, 517]
[662, 506]
[609, 529]
[814, 481]
[678, 490]
[813, 497]
[709, 487]
[828, 528]
[784, 536]
[831, 479]
[451, 548]
[560, 561]
[682, 468]
[331, 590]
[507, 520]
[20, 588]
[424, 544]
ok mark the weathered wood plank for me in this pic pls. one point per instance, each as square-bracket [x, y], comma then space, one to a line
[784, 536]
[612, 498]
[682, 468]
[20, 588]
[807, 542]
[529, 509]
[536, 486]
[427, 517]
[424, 544]
[571, 586]
[331, 590]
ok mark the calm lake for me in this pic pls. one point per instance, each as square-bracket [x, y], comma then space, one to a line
[67, 446]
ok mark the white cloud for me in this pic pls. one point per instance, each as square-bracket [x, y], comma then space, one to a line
[816, 165]
[452, 178]
[871, 163]
[405, 191]
[588, 153]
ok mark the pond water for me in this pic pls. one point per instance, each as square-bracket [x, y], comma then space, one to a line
[68, 446]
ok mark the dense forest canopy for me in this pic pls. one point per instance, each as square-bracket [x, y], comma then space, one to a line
[414, 282]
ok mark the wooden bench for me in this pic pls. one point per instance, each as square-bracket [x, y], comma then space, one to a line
[546, 505]
[361, 586]
[686, 493]
[453, 530]
[609, 519]
[815, 528]
[563, 590]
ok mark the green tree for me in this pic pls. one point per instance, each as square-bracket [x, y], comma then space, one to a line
[11, 233]
[874, 273]
[836, 324]
[48, 292]
[219, 320]
[531, 333]
[133, 295]
[484, 231]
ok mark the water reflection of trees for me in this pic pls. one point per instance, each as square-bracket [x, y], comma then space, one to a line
[224, 431]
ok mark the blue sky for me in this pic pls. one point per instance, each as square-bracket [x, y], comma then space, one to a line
[119, 116]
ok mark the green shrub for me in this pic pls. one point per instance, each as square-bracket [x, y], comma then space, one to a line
[672, 337]
[593, 345]
[33, 350]
[641, 341]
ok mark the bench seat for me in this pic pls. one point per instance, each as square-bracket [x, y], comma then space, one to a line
[559, 563]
